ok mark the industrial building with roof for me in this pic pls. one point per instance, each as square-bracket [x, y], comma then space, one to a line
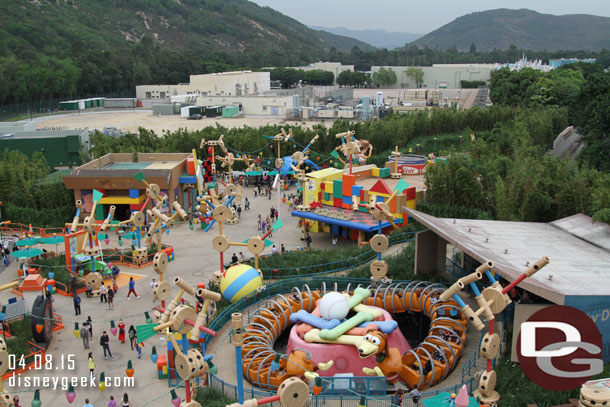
[113, 175]
[578, 274]
[61, 148]
[440, 75]
[236, 83]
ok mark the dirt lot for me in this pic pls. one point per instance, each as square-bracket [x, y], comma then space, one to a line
[131, 120]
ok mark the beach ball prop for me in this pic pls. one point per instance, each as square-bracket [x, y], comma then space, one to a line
[334, 305]
[239, 281]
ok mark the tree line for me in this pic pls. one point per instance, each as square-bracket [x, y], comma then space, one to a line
[290, 77]
[27, 197]
[78, 69]
[583, 89]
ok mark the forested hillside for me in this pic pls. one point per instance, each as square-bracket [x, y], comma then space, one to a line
[527, 29]
[66, 48]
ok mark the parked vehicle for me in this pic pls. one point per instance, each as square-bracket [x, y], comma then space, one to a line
[195, 116]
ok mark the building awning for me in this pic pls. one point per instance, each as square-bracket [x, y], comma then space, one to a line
[360, 220]
[578, 274]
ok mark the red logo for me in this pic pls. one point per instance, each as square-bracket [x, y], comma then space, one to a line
[560, 348]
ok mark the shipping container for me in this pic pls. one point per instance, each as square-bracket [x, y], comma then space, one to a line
[230, 111]
[213, 111]
[81, 104]
[187, 111]
[88, 103]
[120, 103]
[68, 105]
[163, 109]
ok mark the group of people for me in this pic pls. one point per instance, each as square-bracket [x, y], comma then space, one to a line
[112, 402]
[107, 294]
[86, 332]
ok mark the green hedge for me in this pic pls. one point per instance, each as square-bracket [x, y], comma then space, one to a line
[211, 397]
[44, 218]
[21, 333]
[516, 390]
[452, 211]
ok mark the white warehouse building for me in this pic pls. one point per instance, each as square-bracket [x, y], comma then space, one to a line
[441, 75]
[235, 83]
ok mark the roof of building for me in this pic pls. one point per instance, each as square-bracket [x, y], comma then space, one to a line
[577, 246]
[324, 173]
[121, 165]
[363, 221]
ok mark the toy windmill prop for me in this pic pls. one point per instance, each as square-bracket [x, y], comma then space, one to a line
[161, 223]
[492, 300]
[90, 226]
[213, 144]
[380, 242]
[395, 173]
[281, 136]
[349, 146]
[301, 156]
[183, 320]
[221, 243]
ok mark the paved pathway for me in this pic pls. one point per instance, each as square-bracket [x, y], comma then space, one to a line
[195, 261]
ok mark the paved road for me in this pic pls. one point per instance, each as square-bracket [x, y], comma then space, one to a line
[195, 261]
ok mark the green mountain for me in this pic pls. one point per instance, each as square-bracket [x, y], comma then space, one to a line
[83, 47]
[524, 28]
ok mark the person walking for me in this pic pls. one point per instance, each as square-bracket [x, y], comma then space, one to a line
[132, 288]
[89, 324]
[263, 224]
[138, 346]
[76, 300]
[153, 284]
[132, 335]
[121, 327]
[103, 297]
[112, 402]
[84, 334]
[334, 241]
[104, 341]
[238, 211]
[125, 402]
[273, 250]
[87, 404]
[110, 298]
[308, 241]
[283, 249]
[91, 363]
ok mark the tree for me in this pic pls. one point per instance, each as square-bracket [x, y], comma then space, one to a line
[473, 49]
[384, 77]
[415, 73]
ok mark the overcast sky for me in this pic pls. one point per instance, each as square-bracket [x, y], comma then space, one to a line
[416, 16]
